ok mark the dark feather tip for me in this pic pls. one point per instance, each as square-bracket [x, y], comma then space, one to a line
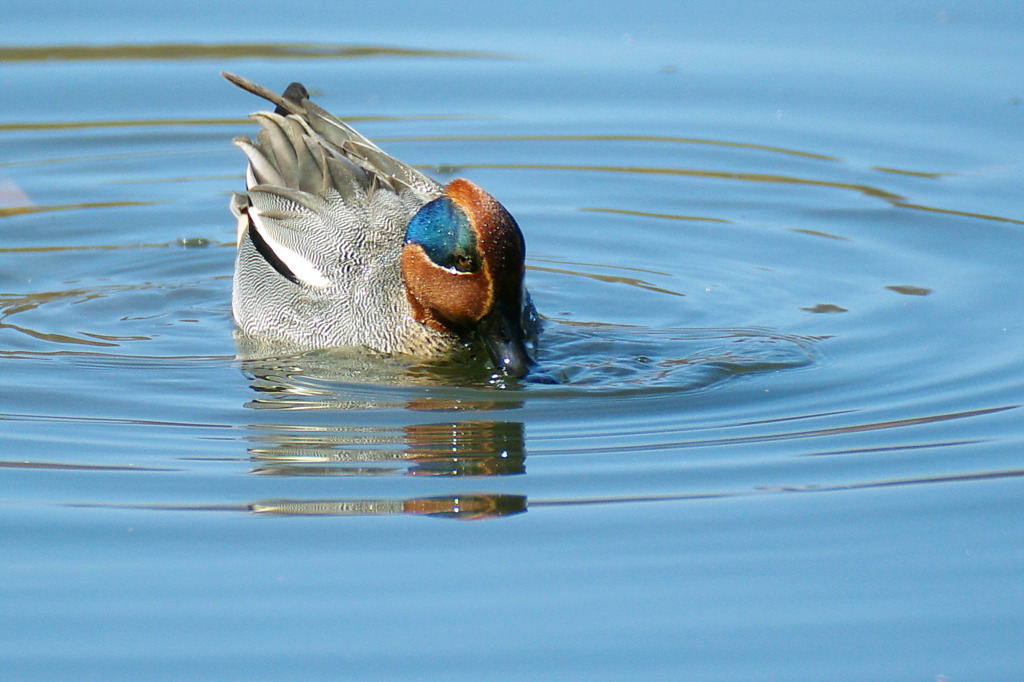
[296, 92]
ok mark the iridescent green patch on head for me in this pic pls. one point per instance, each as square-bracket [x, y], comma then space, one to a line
[445, 233]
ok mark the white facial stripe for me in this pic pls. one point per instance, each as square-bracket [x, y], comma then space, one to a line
[305, 271]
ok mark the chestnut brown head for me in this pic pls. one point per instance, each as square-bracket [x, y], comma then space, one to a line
[463, 268]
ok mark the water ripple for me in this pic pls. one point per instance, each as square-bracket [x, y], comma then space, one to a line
[180, 51]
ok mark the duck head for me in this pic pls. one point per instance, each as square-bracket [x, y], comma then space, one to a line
[463, 267]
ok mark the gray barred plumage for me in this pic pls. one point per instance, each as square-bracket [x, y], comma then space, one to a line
[321, 233]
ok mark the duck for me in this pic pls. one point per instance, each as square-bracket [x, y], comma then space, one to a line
[341, 245]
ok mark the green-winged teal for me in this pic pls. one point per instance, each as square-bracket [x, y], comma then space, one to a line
[340, 244]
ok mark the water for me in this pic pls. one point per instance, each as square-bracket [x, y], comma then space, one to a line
[776, 430]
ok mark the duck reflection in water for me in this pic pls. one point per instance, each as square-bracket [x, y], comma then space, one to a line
[298, 385]
[463, 448]
[462, 507]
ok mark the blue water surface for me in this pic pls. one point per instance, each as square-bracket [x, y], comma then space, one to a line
[775, 432]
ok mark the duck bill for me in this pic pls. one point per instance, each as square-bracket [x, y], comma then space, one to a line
[502, 335]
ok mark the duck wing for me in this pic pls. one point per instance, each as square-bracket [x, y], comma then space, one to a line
[321, 198]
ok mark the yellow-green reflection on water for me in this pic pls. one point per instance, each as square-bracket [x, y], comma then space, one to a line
[180, 51]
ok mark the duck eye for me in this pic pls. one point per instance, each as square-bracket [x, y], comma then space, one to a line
[463, 262]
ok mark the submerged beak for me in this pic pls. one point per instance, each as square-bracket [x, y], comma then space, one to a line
[502, 334]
